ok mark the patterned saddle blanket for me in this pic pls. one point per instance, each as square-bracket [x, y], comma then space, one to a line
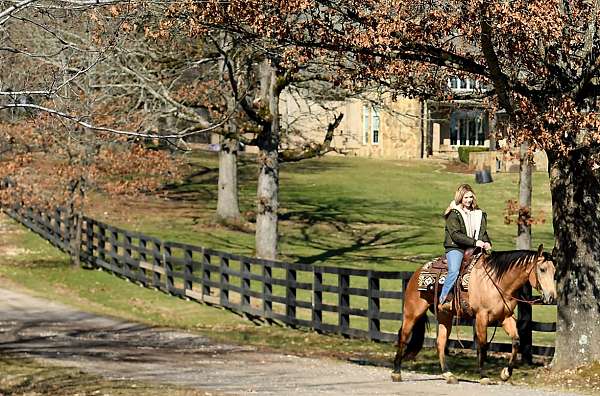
[437, 270]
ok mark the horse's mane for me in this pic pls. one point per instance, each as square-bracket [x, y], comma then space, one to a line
[501, 262]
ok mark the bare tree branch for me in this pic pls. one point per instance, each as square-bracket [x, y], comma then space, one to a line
[188, 132]
[313, 150]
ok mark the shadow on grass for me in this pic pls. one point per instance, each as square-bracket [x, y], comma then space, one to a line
[201, 184]
[347, 210]
[44, 263]
[364, 244]
[313, 166]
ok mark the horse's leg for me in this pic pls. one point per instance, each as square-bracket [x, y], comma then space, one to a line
[414, 309]
[510, 326]
[481, 323]
[444, 330]
[408, 323]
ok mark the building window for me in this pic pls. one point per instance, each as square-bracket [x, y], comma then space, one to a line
[375, 126]
[365, 128]
[464, 84]
[467, 128]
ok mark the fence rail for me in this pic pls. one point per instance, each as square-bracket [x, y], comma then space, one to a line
[350, 302]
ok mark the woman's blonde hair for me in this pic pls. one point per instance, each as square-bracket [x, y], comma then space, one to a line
[458, 197]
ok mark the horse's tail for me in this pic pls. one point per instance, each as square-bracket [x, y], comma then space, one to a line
[417, 338]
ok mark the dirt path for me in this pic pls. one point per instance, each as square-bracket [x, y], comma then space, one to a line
[36, 328]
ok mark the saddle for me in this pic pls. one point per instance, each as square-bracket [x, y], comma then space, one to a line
[433, 275]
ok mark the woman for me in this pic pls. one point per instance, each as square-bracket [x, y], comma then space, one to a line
[466, 226]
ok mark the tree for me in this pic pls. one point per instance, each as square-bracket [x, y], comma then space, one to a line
[154, 88]
[541, 62]
[257, 72]
[59, 138]
[524, 220]
[525, 189]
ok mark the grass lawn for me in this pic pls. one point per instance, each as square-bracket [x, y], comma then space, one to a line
[336, 211]
[349, 212]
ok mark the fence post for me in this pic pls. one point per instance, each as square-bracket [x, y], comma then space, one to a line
[64, 230]
[317, 303]
[168, 267]
[267, 291]
[57, 222]
[245, 269]
[290, 295]
[525, 325]
[143, 257]
[128, 259]
[29, 216]
[101, 243]
[114, 261]
[205, 275]
[89, 242]
[373, 306]
[343, 303]
[224, 281]
[188, 271]
[156, 262]
[47, 219]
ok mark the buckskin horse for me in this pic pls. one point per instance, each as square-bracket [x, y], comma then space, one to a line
[495, 282]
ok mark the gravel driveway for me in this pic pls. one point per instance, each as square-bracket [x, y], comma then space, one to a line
[36, 328]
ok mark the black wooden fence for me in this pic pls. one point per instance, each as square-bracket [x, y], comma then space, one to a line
[350, 302]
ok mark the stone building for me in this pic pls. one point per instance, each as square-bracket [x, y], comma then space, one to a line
[392, 130]
[401, 128]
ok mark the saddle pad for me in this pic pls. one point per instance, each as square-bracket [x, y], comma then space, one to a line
[427, 279]
[428, 275]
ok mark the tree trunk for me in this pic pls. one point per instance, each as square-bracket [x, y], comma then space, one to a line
[523, 222]
[524, 322]
[268, 178]
[576, 208]
[228, 208]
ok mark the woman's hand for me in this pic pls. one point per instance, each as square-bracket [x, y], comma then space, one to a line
[487, 246]
[480, 244]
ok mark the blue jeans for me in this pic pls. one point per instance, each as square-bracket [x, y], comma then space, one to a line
[454, 258]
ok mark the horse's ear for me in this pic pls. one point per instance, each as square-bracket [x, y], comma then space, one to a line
[554, 252]
[540, 249]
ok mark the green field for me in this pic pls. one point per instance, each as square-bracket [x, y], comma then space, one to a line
[349, 212]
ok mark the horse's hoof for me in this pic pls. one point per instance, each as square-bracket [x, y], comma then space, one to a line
[486, 381]
[450, 378]
[396, 377]
[505, 374]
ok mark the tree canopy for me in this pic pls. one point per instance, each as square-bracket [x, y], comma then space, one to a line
[538, 61]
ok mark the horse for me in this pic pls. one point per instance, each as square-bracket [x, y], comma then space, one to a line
[494, 285]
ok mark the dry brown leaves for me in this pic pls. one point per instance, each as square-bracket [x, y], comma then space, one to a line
[41, 162]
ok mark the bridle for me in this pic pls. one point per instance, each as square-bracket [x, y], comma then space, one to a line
[504, 294]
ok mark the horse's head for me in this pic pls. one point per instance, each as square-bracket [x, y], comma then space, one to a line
[542, 278]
